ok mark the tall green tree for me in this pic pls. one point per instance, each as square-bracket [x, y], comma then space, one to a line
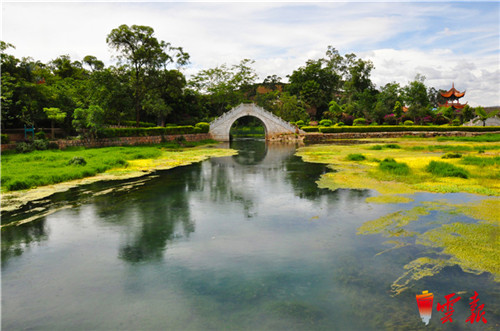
[89, 120]
[55, 115]
[416, 98]
[225, 86]
[145, 55]
[290, 108]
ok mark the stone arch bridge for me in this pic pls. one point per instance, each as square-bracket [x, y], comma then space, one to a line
[273, 125]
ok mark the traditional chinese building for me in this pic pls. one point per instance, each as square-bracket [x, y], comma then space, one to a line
[452, 97]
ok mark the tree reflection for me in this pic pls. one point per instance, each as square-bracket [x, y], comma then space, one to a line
[250, 151]
[303, 177]
[17, 239]
[163, 214]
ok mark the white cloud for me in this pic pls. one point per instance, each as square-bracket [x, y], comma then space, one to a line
[444, 41]
[441, 67]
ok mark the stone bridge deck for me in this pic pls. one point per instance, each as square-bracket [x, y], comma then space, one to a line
[273, 125]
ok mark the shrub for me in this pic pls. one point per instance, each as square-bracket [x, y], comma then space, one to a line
[393, 167]
[376, 147]
[451, 155]
[392, 146]
[359, 122]
[408, 122]
[134, 123]
[4, 138]
[325, 122]
[40, 145]
[311, 128]
[346, 119]
[356, 157]
[445, 169]
[456, 122]
[141, 132]
[52, 145]
[23, 147]
[203, 126]
[300, 123]
[340, 124]
[40, 135]
[77, 160]
[390, 119]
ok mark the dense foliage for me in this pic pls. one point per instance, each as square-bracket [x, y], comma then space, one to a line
[146, 88]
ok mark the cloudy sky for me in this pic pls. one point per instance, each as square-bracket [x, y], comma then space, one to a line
[445, 41]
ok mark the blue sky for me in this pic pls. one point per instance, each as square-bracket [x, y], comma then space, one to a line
[445, 41]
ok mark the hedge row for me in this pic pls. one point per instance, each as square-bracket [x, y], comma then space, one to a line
[398, 128]
[156, 131]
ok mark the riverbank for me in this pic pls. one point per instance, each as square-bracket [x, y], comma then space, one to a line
[33, 176]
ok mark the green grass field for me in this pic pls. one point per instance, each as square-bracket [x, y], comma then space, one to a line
[38, 168]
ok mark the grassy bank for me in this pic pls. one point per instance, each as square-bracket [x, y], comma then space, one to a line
[39, 168]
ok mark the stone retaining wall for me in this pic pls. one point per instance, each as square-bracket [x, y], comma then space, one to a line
[324, 137]
[122, 141]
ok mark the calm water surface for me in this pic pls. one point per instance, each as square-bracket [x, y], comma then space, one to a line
[242, 242]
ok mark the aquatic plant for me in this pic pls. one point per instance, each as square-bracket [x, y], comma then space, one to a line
[452, 156]
[481, 161]
[445, 169]
[396, 168]
[393, 146]
[356, 157]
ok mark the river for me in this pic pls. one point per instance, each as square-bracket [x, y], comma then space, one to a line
[241, 242]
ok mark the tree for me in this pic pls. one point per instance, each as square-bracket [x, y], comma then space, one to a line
[398, 109]
[145, 55]
[290, 108]
[91, 119]
[483, 115]
[55, 115]
[315, 84]
[226, 86]
[416, 97]
[93, 63]
[334, 111]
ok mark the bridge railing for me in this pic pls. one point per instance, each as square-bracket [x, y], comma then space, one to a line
[257, 109]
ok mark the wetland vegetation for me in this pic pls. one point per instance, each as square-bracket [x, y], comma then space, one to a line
[467, 237]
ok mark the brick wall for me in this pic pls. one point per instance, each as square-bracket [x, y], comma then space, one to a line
[322, 137]
[121, 141]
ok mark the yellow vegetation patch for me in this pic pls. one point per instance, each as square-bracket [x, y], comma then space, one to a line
[416, 153]
[389, 199]
[391, 225]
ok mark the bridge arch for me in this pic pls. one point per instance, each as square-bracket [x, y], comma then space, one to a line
[273, 125]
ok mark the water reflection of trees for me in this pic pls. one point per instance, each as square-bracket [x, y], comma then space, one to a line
[17, 239]
[163, 213]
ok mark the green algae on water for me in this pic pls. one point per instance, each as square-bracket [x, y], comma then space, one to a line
[388, 199]
[474, 247]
